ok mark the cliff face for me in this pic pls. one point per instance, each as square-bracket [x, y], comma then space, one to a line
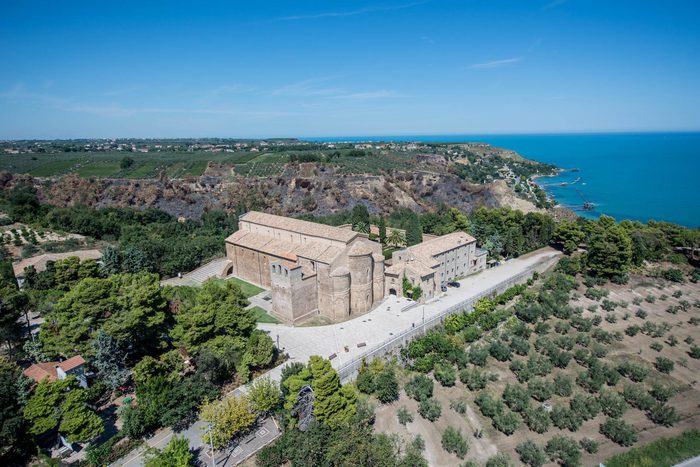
[302, 188]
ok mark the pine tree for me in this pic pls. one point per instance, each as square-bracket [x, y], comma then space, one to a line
[109, 360]
[333, 403]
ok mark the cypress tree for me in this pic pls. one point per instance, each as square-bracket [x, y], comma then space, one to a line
[382, 230]
[414, 232]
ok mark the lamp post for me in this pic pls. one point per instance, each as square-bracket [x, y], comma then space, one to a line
[211, 445]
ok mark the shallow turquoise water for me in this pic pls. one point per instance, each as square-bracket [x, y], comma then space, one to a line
[639, 176]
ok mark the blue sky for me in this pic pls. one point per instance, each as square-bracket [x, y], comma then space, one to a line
[309, 68]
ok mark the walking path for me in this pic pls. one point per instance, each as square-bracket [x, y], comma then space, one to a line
[392, 317]
[197, 277]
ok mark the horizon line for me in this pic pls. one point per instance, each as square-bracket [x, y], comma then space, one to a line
[392, 136]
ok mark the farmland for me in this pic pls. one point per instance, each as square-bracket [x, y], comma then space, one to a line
[572, 375]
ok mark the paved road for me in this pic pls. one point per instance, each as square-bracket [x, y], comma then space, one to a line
[391, 317]
[694, 462]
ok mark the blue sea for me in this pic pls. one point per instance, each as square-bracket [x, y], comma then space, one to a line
[638, 176]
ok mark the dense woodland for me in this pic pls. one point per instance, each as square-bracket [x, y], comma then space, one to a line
[176, 348]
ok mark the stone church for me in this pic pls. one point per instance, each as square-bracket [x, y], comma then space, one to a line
[311, 269]
[315, 269]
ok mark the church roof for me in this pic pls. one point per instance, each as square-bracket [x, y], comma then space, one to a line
[296, 225]
[283, 249]
[441, 244]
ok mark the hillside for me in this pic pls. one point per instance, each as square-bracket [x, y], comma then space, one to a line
[289, 178]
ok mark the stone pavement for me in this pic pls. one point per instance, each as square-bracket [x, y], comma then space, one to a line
[390, 318]
[197, 277]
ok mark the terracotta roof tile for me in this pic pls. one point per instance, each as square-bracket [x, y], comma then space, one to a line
[441, 244]
[71, 363]
[40, 371]
[296, 225]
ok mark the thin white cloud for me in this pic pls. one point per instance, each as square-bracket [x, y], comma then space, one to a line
[381, 94]
[497, 63]
[235, 88]
[117, 111]
[340, 14]
[309, 87]
[19, 92]
[122, 91]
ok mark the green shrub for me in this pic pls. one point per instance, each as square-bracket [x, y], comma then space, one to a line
[516, 397]
[419, 388]
[540, 389]
[430, 409]
[537, 419]
[635, 372]
[472, 333]
[488, 406]
[563, 386]
[694, 351]
[658, 346]
[637, 397]
[596, 294]
[587, 407]
[673, 275]
[589, 445]
[404, 415]
[663, 414]
[499, 460]
[565, 418]
[520, 345]
[612, 404]
[532, 454]
[500, 351]
[564, 451]
[663, 364]
[507, 422]
[445, 374]
[459, 406]
[478, 355]
[454, 442]
[473, 378]
[386, 386]
[619, 432]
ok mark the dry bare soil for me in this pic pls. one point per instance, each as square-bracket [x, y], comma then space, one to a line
[683, 377]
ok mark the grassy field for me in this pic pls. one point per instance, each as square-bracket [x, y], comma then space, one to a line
[261, 316]
[55, 167]
[247, 288]
[664, 452]
[99, 169]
